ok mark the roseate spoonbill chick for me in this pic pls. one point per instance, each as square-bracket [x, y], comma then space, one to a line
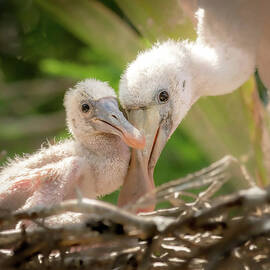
[159, 87]
[95, 160]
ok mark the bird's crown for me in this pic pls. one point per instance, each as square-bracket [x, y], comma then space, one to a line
[89, 89]
[152, 70]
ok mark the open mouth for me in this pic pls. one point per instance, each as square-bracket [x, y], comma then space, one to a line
[114, 127]
[151, 162]
[139, 180]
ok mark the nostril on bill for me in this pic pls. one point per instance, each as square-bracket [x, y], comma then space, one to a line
[114, 116]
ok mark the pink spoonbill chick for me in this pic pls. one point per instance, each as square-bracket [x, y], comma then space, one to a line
[95, 159]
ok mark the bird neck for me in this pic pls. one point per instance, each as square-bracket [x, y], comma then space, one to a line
[219, 69]
[101, 142]
[223, 56]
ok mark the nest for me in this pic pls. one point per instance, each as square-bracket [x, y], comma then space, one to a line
[197, 230]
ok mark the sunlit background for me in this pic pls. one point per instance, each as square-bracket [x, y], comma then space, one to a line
[48, 45]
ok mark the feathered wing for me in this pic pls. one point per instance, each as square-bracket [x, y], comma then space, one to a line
[44, 186]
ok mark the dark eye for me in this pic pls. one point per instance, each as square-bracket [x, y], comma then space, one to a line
[85, 108]
[163, 96]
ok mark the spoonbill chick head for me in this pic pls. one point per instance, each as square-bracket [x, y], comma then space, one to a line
[155, 91]
[92, 108]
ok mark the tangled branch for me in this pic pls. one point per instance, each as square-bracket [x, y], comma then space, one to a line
[204, 232]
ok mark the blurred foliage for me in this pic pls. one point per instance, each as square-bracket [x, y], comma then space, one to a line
[47, 45]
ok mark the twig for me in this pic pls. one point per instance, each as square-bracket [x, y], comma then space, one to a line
[147, 226]
[201, 234]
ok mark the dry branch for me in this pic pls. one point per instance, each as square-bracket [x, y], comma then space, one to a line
[208, 232]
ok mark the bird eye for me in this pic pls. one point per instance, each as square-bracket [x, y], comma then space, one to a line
[85, 108]
[163, 96]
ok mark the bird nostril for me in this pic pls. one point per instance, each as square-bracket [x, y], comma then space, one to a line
[114, 116]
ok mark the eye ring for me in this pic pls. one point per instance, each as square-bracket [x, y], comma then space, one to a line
[85, 107]
[163, 96]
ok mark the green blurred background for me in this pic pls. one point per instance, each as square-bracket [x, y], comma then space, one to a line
[48, 45]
